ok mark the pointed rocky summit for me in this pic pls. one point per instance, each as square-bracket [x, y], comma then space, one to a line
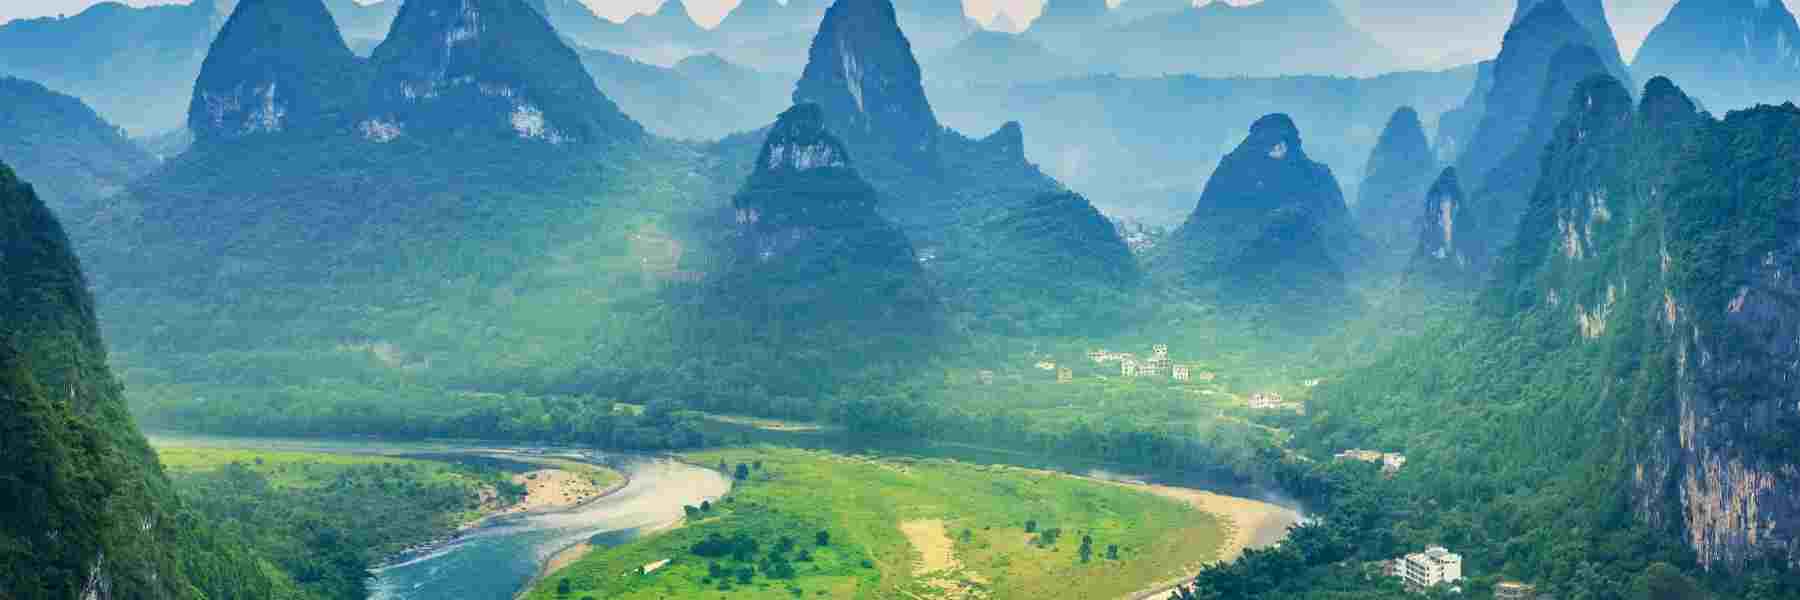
[1399, 170]
[1518, 87]
[810, 250]
[862, 73]
[1271, 224]
[1592, 17]
[277, 66]
[1731, 54]
[1445, 253]
[492, 68]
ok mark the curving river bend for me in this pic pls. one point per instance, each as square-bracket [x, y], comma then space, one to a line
[498, 559]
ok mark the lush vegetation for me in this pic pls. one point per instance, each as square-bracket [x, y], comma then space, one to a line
[1530, 417]
[86, 501]
[818, 524]
[325, 519]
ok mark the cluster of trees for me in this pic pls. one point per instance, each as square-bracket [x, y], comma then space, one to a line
[326, 534]
[741, 549]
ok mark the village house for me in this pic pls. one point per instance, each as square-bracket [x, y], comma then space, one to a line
[1206, 376]
[1513, 590]
[1046, 366]
[1065, 375]
[1391, 462]
[1265, 401]
[1434, 566]
[987, 377]
[1098, 356]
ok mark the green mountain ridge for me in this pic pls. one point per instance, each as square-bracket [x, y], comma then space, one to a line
[1590, 389]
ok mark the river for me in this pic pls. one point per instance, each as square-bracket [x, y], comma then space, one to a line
[497, 559]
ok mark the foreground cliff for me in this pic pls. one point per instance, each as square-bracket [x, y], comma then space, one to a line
[1630, 373]
[89, 511]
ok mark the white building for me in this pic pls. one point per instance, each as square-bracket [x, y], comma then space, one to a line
[1434, 566]
[1128, 367]
[1181, 373]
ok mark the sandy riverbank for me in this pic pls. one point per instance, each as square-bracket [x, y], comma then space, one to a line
[1250, 523]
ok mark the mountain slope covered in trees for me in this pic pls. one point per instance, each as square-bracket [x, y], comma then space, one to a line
[90, 512]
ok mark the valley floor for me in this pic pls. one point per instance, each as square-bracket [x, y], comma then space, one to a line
[919, 528]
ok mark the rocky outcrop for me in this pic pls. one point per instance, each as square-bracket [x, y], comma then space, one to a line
[1729, 54]
[1399, 171]
[488, 68]
[278, 66]
[1505, 196]
[862, 73]
[1635, 250]
[1447, 250]
[1270, 226]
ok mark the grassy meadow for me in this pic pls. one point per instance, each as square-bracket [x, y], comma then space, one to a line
[900, 528]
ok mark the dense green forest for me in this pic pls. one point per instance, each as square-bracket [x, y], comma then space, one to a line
[1529, 417]
[87, 502]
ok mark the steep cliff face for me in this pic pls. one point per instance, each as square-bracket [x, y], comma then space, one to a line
[862, 73]
[1506, 191]
[1447, 250]
[1270, 225]
[1724, 468]
[1729, 54]
[277, 67]
[490, 68]
[1399, 171]
[1640, 246]
[90, 514]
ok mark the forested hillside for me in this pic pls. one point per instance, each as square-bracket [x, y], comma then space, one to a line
[90, 513]
[1584, 422]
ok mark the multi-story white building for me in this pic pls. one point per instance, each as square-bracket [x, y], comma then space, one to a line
[1181, 373]
[1128, 367]
[1434, 566]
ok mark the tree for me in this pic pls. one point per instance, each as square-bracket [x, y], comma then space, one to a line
[784, 545]
[1112, 552]
[968, 536]
[1031, 526]
[691, 511]
[823, 538]
[746, 574]
[715, 571]
[743, 472]
[804, 556]
[1087, 548]
[562, 587]
[756, 465]
[705, 506]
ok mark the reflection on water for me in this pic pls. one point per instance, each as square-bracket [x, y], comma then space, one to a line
[498, 559]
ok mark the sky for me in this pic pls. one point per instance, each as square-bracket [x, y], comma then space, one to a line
[1456, 30]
